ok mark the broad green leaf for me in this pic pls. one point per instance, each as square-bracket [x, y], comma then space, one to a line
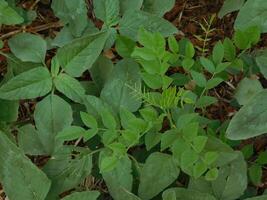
[86, 195]
[70, 87]
[108, 119]
[8, 15]
[247, 89]
[30, 84]
[51, 116]
[158, 172]
[8, 110]
[130, 5]
[207, 64]
[29, 141]
[248, 151]
[229, 50]
[188, 158]
[205, 101]
[1, 44]
[186, 194]
[255, 174]
[124, 46]
[213, 83]
[168, 138]
[158, 7]
[28, 47]
[73, 13]
[80, 54]
[117, 91]
[108, 11]
[63, 37]
[132, 21]
[212, 174]
[230, 184]
[173, 44]
[89, 120]
[153, 81]
[210, 157]
[251, 14]
[199, 143]
[262, 158]
[101, 71]
[263, 197]
[199, 78]
[250, 120]
[199, 169]
[19, 66]
[67, 170]
[230, 6]
[20, 178]
[218, 53]
[232, 180]
[261, 61]
[119, 179]
[70, 133]
[241, 40]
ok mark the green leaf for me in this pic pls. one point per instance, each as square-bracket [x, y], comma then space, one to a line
[70, 87]
[199, 169]
[77, 20]
[210, 157]
[188, 159]
[214, 82]
[222, 66]
[190, 131]
[89, 120]
[248, 151]
[70, 133]
[129, 5]
[51, 116]
[80, 54]
[199, 143]
[28, 47]
[152, 80]
[132, 21]
[255, 174]
[9, 110]
[261, 61]
[108, 11]
[241, 40]
[119, 178]
[218, 53]
[251, 14]
[108, 119]
[249, 121]
[8, 15]
[86, 195]
[101, 71]
[158, 7]
[168, 138]
[205, 101]
[262, 159]
[199, 78]
[158, 172]
[263, 197]
[30, 84]
[247, 89]
[67, 170]
[230, 6]
[212, 174]
[117, 92]
[207, 64]
[229, 50]
[186, 194]
[107, 164]
[124, 46]
[26, 177]
[173, 44]
[189, 49]
[29, 141]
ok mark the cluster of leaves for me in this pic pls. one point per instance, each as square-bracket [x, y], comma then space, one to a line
[140, 129]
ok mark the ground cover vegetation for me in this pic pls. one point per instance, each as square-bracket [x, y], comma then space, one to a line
[120, 103]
